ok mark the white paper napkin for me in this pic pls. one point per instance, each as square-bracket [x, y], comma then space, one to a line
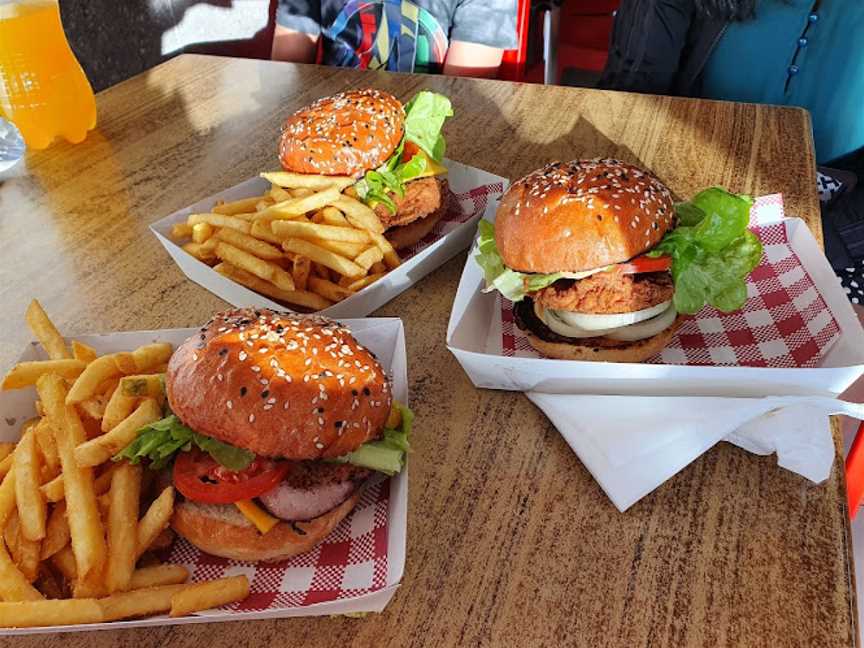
[632, 444]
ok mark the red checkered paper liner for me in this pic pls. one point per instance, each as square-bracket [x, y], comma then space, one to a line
[461, 208]
[785, 322]
[351, 561]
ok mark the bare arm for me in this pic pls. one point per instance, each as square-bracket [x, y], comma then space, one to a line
[294, 46]
[471, 59]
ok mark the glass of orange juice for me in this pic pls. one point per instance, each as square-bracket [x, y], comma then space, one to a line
[43, 89]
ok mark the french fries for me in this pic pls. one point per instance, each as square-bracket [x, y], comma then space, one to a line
[119, 406]
[29, 500]
[123, 527]
[300, 297]
[54, 540]
[47, 446]
[391, 259]
[102, 448]
[325, 257]
[201, 232]
[45, 331]
[97, 372]
[249, 244]
[38, 612]
[25, 374]
[219, 220]
[13, 584]
[359, 215]
[237, 206]
[85, 525]
[307, 230]
[330, 290]
[7, 498]
[158, 575]
[56, 532]
[307, 181]
[266, 270]
[300, 268]
[369, 257]
[83, 352]
[203, 596]
[155, 521]
[303, 226]
[300, 205]
[66, 531]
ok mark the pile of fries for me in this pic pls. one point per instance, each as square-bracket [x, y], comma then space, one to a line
[307, 242]
[74, 544]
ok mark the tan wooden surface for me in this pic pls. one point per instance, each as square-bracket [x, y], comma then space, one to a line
[510, 541]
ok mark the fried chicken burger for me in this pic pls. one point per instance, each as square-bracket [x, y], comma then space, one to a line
[590, 254]
[395, 152]
[276, 423]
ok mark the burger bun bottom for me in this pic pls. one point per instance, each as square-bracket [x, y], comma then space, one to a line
[221, 530]
[625, 352]
[406, 236]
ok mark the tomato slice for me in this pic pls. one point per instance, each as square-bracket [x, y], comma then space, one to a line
[201, 478]
[409, 151]
[645, 263]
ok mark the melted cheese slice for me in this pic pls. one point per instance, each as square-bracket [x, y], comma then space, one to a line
[262, 520]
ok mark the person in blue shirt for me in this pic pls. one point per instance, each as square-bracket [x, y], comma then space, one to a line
[807, 53]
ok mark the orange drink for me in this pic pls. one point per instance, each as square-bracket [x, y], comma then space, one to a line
[43, 89]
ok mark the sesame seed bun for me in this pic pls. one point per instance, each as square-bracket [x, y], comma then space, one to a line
[576, 349]
[221, 530]
[581, 215]
[279, 384]
[346, 134]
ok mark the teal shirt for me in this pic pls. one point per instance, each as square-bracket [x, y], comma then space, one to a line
[786, 57]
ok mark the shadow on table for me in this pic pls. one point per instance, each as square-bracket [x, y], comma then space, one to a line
[520, 150]
[116, 40]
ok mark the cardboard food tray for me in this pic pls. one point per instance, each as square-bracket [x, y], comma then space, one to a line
[476, 194]
[357, 568]
[794, 268]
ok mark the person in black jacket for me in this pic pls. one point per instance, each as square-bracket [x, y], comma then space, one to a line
[661, 46]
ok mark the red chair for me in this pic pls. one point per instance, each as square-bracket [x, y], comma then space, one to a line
[514, 62]
[559, 38]
[855, 473]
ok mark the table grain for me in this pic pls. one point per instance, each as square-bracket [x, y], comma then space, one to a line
[510, 541]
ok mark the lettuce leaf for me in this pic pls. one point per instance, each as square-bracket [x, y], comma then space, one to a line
[513, 285]
[424, 118]
[712, 251]
[160, 441]
[386, 455]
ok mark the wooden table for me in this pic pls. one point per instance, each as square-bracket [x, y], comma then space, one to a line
[510, 541]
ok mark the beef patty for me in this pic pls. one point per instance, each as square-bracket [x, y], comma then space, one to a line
[608, 292]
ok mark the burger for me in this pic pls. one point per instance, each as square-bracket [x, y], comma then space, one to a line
[601, 264]
[276, 423]
[394, 152]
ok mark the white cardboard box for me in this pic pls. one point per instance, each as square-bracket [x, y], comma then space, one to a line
[384, 336]
[474, 317]
[462, 179]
